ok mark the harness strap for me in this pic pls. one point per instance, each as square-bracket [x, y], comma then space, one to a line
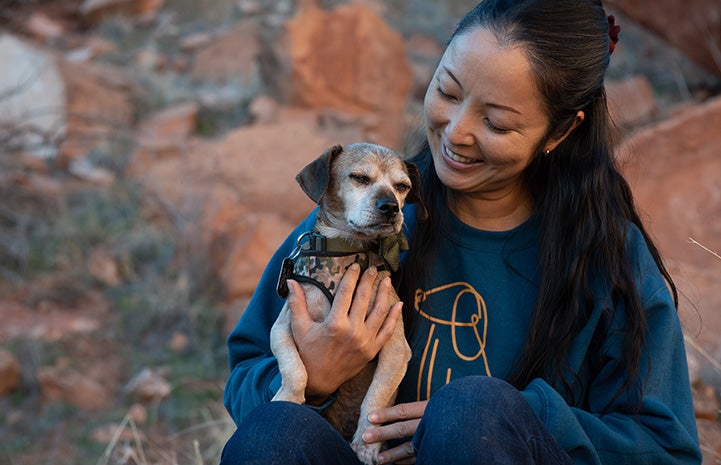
[308, 280]
[322, 261]
[325, 270]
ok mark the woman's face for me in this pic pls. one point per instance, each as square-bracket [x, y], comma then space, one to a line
[484, 117]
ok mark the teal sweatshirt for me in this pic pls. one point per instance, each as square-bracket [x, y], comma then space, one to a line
[472, 318]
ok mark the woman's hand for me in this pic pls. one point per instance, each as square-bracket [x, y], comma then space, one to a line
[337, 348]
[397, 422]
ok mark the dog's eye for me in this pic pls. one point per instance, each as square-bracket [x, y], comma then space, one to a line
[402, 187]
[360, 178]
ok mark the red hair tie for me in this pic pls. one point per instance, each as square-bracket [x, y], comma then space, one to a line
[613, 31]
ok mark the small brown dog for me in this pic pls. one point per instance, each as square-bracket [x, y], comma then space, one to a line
[361, 190]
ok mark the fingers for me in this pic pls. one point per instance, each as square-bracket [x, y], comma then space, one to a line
[381, 307]
[364, 294]
[389, 324]
[398, 422]
[397, 430]
[297, 304]
[400, 454]
[404, 411]
[346, 289]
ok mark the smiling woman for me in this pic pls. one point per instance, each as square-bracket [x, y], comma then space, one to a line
[541, 318]
[485, 124]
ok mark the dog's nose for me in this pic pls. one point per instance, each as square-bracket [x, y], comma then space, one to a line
[387, 206]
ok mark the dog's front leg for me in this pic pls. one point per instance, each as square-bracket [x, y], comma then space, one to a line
[292, 371]
[392, 364]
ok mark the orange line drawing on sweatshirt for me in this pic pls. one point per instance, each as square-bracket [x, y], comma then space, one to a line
[479, 317]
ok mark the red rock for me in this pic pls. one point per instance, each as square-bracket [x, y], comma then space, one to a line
[252, 166]
[51, 322]
[89, 49]
[97, 10]
[674, 170]
[150, 59]
[149, 386]
[63, 384]
[175, 123]
[227, 189]
[631, 101]
[230, 56]
[709, 435]
[9, 372]
[706, 403]
[100, 107]
[44, 27]
[379, 7]
[138, 413]
[33, 163]
[693, 26]
[41, 184]
[195, 41]
[346, 59]
[102, 266]
[232, 313]
[100, 46]
[250, 252]
[179, 342]
[423, 53]
[264, 109]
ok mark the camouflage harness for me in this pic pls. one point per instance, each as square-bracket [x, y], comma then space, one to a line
[322, 261]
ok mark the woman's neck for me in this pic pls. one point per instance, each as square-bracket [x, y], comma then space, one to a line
[502, 212]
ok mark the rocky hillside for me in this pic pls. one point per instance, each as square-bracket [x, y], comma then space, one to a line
[147, 156]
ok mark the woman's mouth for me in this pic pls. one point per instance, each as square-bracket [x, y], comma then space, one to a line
[457, 158]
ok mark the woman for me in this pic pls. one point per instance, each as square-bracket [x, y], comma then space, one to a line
[542, 320]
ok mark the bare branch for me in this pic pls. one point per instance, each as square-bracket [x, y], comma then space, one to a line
[691, 240]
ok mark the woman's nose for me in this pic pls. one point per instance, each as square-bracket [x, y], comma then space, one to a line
[459, 129]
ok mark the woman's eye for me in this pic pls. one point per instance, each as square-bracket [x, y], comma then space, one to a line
[444, 94]
[493, 127]
[360, 179]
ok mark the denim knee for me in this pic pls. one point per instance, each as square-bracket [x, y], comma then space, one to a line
[285, 433]
[473, 404]
[479, 419]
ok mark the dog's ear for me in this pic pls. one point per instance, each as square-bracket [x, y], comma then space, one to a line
[414, 196]
[314, 178]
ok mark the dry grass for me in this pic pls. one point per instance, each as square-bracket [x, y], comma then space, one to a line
[200, 444]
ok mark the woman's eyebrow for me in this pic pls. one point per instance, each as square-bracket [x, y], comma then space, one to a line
[490, 104]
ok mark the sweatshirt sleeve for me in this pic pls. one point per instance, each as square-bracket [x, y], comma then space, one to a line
[660, 429]
[254, 376]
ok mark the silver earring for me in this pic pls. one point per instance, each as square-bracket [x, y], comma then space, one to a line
[548, 151]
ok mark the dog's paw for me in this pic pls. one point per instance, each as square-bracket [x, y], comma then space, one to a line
[367, 453]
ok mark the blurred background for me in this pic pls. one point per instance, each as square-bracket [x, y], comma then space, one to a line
[147, 156]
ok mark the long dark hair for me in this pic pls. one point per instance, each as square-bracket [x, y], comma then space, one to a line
[584, 203]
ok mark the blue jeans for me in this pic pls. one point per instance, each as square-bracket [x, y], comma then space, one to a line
[472, 420]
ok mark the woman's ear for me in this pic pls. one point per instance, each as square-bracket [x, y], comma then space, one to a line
[577, 120]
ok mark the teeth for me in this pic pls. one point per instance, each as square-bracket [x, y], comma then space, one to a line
[458, 158]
